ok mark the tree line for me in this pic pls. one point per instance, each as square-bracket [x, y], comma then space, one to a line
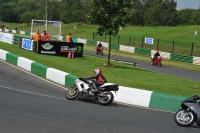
[146, 12]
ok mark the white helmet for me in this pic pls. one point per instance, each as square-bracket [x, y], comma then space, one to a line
[97, 71]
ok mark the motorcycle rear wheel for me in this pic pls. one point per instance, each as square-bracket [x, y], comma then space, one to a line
[184, 118]
[72, 93]
[106, 98]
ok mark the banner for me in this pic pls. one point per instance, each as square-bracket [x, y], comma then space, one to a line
[148, 40]
[6, 37]
[27, 44]
[60, 48]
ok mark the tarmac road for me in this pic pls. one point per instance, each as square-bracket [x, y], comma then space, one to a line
[30, 104]
[177, 72]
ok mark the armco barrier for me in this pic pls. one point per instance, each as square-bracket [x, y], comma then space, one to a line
[142, 51]
[69, 80]
[24, 63]
[115, 46]
[182, 58]
[126, 95]
[127, 48]
[90, 42]
[39, 69]
[196, 60]
[56, 75]
[133, 96]
[3, 54]
[166, 102]
[12, 58]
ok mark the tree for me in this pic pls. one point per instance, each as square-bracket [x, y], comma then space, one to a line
[27, 17]
[160, 13]
[110, 15]
[187, 16]
[6, 13]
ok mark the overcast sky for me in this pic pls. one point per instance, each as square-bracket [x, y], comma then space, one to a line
[182, 4]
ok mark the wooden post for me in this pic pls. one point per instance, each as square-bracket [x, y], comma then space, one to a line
[20, 42]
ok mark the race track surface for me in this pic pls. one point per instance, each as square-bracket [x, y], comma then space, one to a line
[177, 72]
[29, 104]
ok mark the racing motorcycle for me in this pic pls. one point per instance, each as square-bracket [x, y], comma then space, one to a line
[189, 113]
[157, 61]
[82, 86]
[99, 50]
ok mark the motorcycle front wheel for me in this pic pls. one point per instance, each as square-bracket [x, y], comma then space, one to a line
[72, 93]
[159, 63]
[184, 118]
[105, 98]
[152, 62]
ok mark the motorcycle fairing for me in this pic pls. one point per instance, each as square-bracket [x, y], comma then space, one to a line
[110, 86]
[81, 85]
[195, 107]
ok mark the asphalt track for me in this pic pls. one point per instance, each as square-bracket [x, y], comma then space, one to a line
[30, 104]
[177, 72]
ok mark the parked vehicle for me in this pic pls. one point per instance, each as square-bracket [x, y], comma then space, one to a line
[81, 87]
[157, 61]
[189, 113]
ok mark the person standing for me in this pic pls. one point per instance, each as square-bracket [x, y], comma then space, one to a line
[36, 36]
[69, 40]
[45, 36]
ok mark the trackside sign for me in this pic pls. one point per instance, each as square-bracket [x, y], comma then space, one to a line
[6, 37]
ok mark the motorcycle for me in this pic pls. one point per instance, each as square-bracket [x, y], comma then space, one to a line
[157, 61]
[99, 50]
[82, 86]
[189, 113]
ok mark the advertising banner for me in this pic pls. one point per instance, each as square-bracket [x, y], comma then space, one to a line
[27, 44]
[60, 48]
[148, 40]
[6, 37]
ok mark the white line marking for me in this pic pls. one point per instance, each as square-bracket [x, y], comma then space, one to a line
[34, 75]
[5, 87]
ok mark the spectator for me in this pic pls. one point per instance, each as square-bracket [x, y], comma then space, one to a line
[45, 36]
[69, 38]
[36, 36]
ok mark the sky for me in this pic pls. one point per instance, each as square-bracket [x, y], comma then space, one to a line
[183, 4]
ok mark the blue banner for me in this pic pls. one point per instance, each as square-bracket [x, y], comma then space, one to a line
[148, 40]
[27, 44]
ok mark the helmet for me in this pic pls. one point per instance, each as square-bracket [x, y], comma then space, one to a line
[97, 71]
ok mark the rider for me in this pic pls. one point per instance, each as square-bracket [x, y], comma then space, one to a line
[156, 55]
[100, 80]
[99, 46]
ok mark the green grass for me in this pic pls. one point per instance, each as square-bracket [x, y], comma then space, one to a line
[122, 74]
[181, 35]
